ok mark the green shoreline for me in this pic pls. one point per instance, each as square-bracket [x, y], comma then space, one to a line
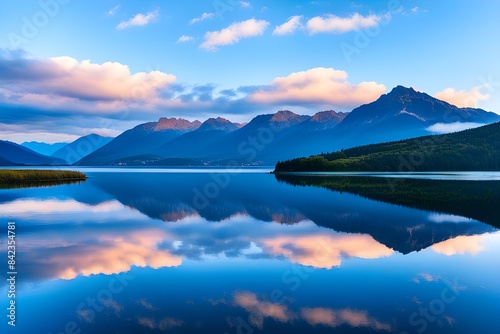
[9, 176]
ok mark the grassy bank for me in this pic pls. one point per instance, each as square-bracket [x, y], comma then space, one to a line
[34, 176]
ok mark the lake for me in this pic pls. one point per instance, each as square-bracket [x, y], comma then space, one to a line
[243, 251]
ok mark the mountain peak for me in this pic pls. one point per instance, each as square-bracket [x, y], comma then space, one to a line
[176, 124]
[402, 90]
[325, 120]
[219, 123]
[284, 115]
[328, 115]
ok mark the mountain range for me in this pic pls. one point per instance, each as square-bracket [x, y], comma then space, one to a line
[43, 148]
[12, 154]
[32, 153]
[401, 114]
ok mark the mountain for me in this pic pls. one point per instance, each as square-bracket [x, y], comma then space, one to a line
[195, 144]
[144, 139]
[219, 124]
[81, 147]
[19, 155]
[470, 150]
[5, 162]
[176, 124]
[404, 113]
[43, 148]
[324, 120]
[401, 114]
[258, 142]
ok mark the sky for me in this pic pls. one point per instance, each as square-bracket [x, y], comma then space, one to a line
[69, 68]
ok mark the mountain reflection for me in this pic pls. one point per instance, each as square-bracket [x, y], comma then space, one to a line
[108, 226]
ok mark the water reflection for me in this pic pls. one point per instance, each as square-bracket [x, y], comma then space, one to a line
[69, 236]
[261, 256]
[472, 245]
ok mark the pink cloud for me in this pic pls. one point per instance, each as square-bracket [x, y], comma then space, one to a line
[320, 85]
[462, 98]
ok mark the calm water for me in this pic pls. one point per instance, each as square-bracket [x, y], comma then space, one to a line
[197, 251]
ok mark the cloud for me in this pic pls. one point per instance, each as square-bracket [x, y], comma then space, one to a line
[67, 97]
[335, 318]
[139, 20]
[460, 245]
[65, 80]
[289, 27]
[203, 17]
[462, 98]
[338, 25]
[245, 4]
[233, 34]
[452, 127]
[318, 86]
[113, 10]
[185, 38]
[415, 9]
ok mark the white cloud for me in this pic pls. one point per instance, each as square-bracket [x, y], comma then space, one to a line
[185, 38]
[245, 4]
[452, 127]
[462, 98]
[233, 34]
[415, 9]
[139, 20]
[203, 17]
[113, 10]
[289, 27]
[338, 25]
[319, 86]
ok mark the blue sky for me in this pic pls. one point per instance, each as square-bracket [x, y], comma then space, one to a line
[68, 67]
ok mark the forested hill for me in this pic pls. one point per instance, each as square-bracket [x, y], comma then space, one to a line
[470, 150]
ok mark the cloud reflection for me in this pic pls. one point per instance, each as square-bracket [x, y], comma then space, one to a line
[259, 309]
[325, 250]
[334, 318]
[461, 245]
[103, 254]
